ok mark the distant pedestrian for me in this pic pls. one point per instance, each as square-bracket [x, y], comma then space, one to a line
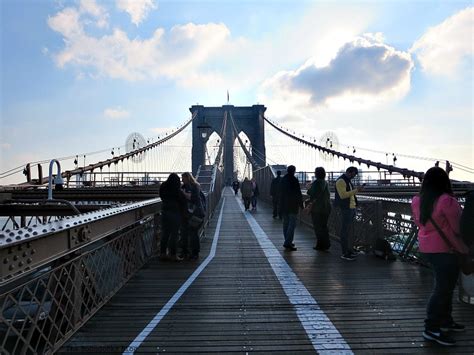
[236, 186]
[172, 215]
[346, 201]
[246, 191]
[275, 194]
[190, 244]
[291, 201]
[437, 214]
[320, 209]
[255, 194]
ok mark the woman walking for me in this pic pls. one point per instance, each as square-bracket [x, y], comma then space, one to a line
[437, 214]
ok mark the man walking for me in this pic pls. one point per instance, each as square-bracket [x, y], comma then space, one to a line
[291, 201]
[275, 194]
[346, 201]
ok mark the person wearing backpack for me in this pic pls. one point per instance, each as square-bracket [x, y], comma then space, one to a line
[320, 209]
[466, 226]
[437, 214]
[190, 245]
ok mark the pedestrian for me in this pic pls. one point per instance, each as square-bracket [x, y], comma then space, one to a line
[320, 209]
[255, 194]
[437, 214]
[291, 201]
[190, 245]
[172, 212]
[246, 191]
[346, 201]
[236, 186]
[275, 194]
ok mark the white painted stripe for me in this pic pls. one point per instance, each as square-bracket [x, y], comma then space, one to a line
[324, 336]
[160, 315]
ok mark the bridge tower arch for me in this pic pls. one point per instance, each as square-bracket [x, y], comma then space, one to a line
[248, 119]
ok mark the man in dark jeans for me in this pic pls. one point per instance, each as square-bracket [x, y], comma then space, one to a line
[275, 194]
[346, 200]
[291, 201]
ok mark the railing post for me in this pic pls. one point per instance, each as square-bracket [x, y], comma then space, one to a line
[466, 288]
[378, 221]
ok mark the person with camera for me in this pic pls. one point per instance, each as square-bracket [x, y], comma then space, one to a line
[346, 201]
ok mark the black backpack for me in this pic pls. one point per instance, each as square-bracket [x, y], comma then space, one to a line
[382, 249]
[466, 226]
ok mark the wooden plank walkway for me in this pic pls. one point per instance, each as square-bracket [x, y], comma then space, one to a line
[237, 303]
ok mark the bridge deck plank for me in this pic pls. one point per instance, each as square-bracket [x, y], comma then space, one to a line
[238, 305]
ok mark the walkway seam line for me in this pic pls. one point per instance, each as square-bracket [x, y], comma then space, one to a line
[135, 344]
[322, 333]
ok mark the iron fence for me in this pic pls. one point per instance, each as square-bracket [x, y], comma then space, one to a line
[375, 218]
[43, 311]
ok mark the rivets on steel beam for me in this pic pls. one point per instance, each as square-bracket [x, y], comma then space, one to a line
[9, 240]
[5, 261]
[45, 230]
[29, 260]
[15, 258]
[20, 232]
[11, 267]
[35, 233]
[2, 236]
[25, 254]
[11, 234]
[33, 251]
[21, 263]
[18, 237]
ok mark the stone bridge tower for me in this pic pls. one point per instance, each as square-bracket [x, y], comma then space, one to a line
[248, 119]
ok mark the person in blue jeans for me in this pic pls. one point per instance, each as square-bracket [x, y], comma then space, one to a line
[291, 201]
[346, 201]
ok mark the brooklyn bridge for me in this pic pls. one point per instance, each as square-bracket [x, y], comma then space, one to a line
[79, 239]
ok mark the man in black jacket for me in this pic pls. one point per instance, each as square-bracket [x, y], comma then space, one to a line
[291, 201]
[275, 194]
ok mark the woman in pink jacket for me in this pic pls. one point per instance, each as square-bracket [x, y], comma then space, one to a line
[437, 203]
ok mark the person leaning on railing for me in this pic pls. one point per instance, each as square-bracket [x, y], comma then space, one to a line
[320, 209]
[436, 211]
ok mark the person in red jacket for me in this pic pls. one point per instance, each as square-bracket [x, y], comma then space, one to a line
[436, 205]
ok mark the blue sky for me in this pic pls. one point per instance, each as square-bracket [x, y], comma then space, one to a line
[79, 76]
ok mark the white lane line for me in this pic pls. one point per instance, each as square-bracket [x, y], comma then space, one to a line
[324, 336]
[160, 315]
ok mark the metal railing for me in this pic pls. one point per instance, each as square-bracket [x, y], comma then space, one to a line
[375, 218]
[56, 276]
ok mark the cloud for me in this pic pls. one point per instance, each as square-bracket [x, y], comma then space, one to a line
[176, 54]
[92, 8]
[137, 9]
[364, 72]
[116, 113]
[443, 47]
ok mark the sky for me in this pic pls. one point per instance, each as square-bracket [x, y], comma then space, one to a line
[392, 76]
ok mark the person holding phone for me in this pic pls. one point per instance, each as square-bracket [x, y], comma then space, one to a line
[346, 201]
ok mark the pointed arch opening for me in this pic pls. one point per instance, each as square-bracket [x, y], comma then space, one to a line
[242, 167]
[212, 147]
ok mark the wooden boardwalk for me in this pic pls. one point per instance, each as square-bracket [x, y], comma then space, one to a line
[239, 304]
